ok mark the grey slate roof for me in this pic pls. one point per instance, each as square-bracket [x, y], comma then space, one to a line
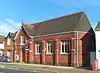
[98, 27]
[11, 35]
[73, 22]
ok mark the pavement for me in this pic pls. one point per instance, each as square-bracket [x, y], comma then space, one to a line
[45, 68]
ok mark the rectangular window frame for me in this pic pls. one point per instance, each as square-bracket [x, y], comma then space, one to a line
[22, 40]
[49, 47]
[37, 48]
[66, 45]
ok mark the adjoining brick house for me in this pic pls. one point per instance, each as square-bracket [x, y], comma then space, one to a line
[2, 41]
[9, 45]
[66, 40]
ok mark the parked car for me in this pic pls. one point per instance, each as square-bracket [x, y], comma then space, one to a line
[5, 59]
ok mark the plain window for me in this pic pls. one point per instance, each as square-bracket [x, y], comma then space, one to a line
[22, 39]
[38, 50]
[49, 47]
[64, 46]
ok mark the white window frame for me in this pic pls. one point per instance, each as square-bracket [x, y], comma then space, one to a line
[64, 42]
[22, 40]
[49, 47]
[37, 48]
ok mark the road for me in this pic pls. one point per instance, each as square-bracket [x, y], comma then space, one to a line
[4, 70]
[20, 70]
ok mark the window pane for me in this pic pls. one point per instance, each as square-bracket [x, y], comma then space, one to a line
[66, 47]
[62, 48]
[22, 39]
[49, 47]
[38, 48]
[49, 50]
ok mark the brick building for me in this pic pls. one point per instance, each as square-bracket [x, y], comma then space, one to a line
[66, 40]
[9, 45]
[2, 41]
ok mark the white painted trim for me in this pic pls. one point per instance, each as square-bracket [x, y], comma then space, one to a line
[26, 49]
[63, 53]
[31, 37]
[37, 53]
[49, 53]
[17, 33]
[22, 44]
[26, 31]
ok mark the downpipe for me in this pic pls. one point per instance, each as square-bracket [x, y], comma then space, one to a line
[77, 64]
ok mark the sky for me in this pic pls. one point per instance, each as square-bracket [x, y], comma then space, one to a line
[14, 12]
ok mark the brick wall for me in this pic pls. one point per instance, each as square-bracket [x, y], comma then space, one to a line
[56, 58]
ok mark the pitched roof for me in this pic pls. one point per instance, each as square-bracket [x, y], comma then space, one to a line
[2, 38]
[12, 35]
[73, 22]
[29, 29]
[98, 27]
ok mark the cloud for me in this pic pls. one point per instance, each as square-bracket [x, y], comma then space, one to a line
[8, 25]
[77, 3]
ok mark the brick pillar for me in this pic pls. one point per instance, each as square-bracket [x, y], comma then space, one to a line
[26, 56]
[21, 55]
[43, 52]
[12, 54]
[56, 52]
[15, 56]
[73, 53]
[30, 56]
[31, 51]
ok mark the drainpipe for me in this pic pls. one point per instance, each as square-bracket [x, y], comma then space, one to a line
[77, 49]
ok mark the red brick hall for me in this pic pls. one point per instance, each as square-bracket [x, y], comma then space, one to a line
[66, 41]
